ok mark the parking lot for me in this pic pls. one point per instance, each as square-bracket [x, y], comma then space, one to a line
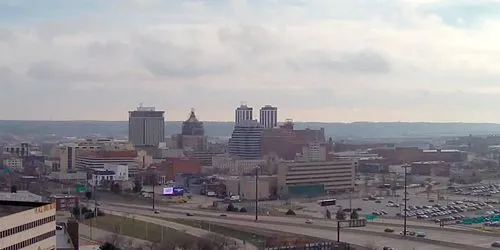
[450, 209]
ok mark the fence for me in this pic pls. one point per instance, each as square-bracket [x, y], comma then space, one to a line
[316, 246]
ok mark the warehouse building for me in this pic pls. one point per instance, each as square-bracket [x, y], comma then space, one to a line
[315, 177]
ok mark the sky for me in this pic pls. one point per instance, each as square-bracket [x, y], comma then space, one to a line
[316, 60]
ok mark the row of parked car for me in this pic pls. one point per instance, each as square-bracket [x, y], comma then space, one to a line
[478, 190]
[448, 212]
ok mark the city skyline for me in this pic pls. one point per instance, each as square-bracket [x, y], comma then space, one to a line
[318, 60]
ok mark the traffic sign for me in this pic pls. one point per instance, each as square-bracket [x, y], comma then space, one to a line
[370, 216]
[81, 189]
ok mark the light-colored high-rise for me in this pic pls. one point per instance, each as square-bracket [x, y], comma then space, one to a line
[243, 113]
[269, 116]
[146, 127]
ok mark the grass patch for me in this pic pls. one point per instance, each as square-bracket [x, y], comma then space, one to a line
[255, 239]
[138, 229]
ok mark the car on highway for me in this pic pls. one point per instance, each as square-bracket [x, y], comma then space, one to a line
[157, 211]
[389, 230]
[309, 221]
[223, 215]
[387, 248]
[421, 234]
[410, 233]
[189, 214]
[495, 244]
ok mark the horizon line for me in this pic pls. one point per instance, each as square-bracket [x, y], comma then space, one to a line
[322, 122]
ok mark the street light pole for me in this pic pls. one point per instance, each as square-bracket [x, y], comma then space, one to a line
[406, 199]
[256, 194]
[154, 184]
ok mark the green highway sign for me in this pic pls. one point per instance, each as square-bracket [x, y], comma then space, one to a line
[81, 189]
[370, 216]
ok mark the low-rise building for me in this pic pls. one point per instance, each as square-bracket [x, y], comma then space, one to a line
[226, 164]
[27, 225]
[315, 177]
[100, 176]
[245, 186]
[20, 195]
[14, 163]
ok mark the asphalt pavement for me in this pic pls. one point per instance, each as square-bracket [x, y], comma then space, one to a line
[348, 236]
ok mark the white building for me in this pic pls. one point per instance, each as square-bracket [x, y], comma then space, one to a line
[243, 113]
[268, 116]
[99, 176]
[14, 163]
[232, 166]
[27, 226]
[110, 173]
[121, 171]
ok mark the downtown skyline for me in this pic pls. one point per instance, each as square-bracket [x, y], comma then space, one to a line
[318, 60]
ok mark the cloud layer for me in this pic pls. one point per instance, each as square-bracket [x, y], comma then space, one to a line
[317, 60]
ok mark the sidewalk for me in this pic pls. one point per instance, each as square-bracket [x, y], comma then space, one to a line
[101, 236]
[197, 232]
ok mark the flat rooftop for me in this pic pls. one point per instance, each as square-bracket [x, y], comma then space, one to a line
[11, 207]
[20, 195]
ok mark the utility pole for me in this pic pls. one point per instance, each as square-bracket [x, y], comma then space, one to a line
[406, 199]
[256, 193]
[154, 184]
[338, 231]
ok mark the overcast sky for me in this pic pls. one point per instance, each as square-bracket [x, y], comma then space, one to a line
[317, 60]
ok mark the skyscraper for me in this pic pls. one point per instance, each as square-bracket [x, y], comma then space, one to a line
[269, 116]
[146, 127]
[245, 141]
[243, 113]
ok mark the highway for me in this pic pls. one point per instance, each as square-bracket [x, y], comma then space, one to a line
[320, 228]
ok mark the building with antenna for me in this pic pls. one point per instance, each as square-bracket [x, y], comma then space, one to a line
[146, 127]
[243, 113]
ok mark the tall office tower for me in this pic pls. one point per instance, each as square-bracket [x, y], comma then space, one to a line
[243, 113]
[245, 141]
[269, 116]
[146, 127]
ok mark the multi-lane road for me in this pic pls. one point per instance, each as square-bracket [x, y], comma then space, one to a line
[370, 235]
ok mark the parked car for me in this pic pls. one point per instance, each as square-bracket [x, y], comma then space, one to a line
[389, 230]
[309, 221]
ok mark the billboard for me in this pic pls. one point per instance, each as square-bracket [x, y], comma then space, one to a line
[174, 191]
[168, 190]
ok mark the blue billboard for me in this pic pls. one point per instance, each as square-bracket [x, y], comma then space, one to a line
[173, 191]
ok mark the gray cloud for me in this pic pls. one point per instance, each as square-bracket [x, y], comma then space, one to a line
[363, 61]
[163, 58]
[57, 73]
[248, 39]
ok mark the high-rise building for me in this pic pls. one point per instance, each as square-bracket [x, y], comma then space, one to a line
[243, 113]
[146, 127]
[245, 141]
[192, 126]
[269, 116]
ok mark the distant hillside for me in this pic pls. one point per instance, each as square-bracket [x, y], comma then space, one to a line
[336, 130]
